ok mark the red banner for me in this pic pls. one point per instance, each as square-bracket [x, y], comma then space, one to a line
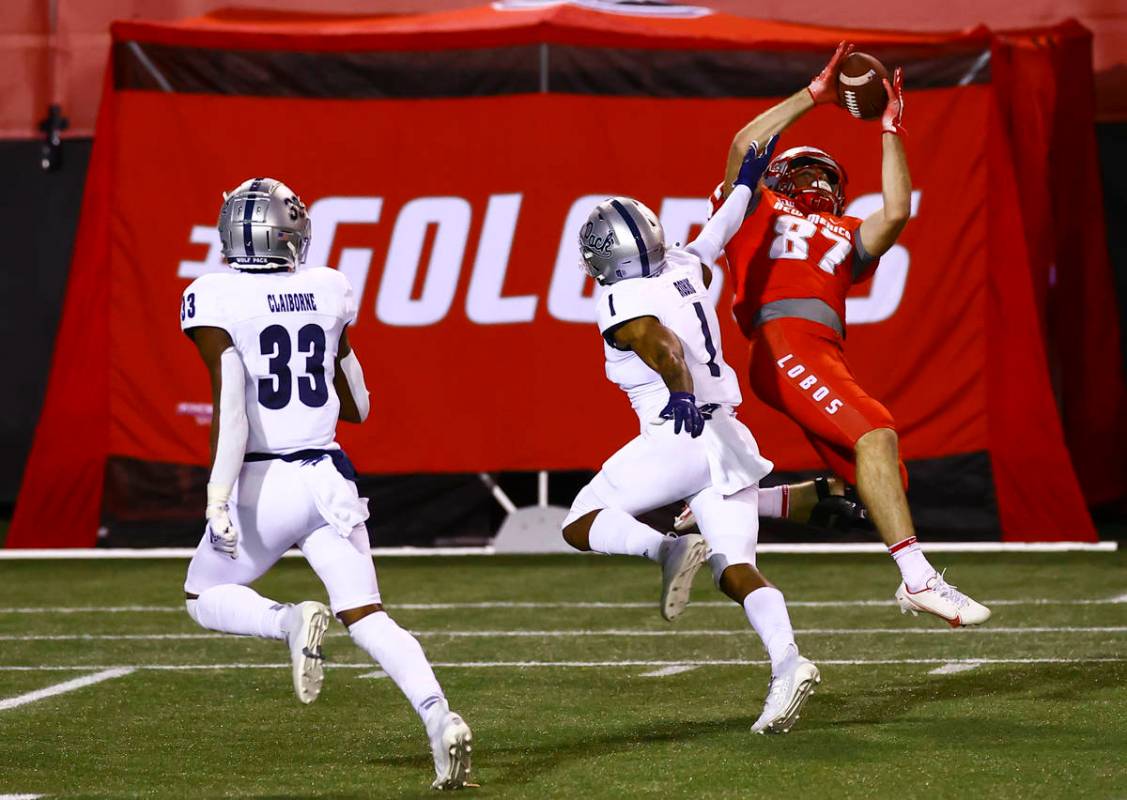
[456, 221]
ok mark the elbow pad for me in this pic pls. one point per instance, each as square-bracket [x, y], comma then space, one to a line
[354, 377]
[231, 443]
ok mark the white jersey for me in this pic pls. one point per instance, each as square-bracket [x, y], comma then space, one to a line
[677, 297]
[286, 327]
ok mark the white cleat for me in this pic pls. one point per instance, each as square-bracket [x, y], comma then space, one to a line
[306, 624]
[451, 743]
[787, 693]
[682, 557]
[944, 601]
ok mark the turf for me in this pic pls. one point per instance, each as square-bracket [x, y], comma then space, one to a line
[552, 728]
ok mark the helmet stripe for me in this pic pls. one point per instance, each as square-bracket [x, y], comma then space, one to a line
[637, 234]
[248, 214]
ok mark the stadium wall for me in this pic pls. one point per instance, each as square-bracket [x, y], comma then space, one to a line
[40, 214]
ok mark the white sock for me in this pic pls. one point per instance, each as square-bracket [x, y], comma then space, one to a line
[914, 566]
[774, 501]
[231, 608]
[767, 612]
[399, 655]
[617, 533]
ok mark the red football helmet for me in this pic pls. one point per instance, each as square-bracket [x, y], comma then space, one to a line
[779, 177]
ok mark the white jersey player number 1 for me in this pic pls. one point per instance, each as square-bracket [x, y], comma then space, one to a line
[678, 299]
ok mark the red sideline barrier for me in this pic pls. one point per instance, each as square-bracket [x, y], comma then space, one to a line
[455, 218]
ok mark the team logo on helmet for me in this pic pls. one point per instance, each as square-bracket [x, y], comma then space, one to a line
[621, 239]
[597, 244]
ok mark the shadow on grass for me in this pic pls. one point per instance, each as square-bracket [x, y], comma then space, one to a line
[883, 701]
[915, 707]
[524, 763]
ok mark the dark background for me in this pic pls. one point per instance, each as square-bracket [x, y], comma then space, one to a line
[40, 212]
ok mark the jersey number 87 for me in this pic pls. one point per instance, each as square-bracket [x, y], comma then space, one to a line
[793, 242]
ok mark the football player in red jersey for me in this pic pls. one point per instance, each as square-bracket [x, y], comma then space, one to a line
[793, 261]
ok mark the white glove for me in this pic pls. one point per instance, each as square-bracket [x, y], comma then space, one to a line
[220, 530]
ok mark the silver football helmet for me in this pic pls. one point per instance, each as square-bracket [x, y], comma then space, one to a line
[263, 226]
[621, 239]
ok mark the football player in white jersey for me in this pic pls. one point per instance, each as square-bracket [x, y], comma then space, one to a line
[662, 345]
[274, 339]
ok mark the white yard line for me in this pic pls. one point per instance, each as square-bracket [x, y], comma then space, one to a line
[21, 796]
[665, 672]
[579, 604]
[801, 548]
[106, 673]
[585, 664]
[567, 633]
[952, 667]
[631, 632]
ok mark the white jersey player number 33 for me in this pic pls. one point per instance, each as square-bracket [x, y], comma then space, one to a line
[274, 339]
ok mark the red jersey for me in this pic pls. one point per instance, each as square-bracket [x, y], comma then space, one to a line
[782, 252]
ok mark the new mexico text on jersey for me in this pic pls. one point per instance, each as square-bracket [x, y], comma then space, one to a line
[286, 328]
[678, 299]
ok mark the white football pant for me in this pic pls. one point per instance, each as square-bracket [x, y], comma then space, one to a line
[658, 468]
[273, 510]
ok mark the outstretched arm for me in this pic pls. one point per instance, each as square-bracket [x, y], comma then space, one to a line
[773, 121]
[720, 229]
[881, 228]
[228, 430]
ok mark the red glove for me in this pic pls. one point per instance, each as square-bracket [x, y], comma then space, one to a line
[893, 118]
[823, 89]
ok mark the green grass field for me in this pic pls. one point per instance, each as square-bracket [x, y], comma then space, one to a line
[555, 674]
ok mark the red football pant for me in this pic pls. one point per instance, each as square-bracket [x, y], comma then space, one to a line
[798, 367]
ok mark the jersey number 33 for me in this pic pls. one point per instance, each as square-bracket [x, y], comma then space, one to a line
[276, 391]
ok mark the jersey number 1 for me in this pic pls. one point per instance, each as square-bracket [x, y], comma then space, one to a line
[276, 391]
[710, 348]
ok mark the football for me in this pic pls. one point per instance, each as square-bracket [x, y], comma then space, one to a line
[859, 87]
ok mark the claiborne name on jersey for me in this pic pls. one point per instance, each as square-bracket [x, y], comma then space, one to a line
[305, 301]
